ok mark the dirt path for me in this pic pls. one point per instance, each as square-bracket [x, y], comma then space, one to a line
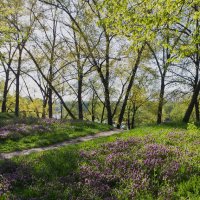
[58, 145]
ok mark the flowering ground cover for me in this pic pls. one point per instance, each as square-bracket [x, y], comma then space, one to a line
[19, 134]
[156, 162]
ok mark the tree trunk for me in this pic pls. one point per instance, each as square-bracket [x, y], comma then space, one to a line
[188, 112]
[134, 70]
[50, 102]
[106, 85]
[197, 110]
[128, 120]
[133, 117]
[80, 105]
[80, 76]
[61, 111]
[161, 101]
[5, 92]
[17, 96]
[133, 121]
[18, 83]
[93, 108]
[195, 95]
[108, 106]
[102, 115]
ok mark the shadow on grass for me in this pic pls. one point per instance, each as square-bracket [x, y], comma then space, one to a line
[38, 176]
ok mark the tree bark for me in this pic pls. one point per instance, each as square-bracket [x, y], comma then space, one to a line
[5, 92]
[102, 114]
[134, 70]
[80, 77]
[133, 121]
[108, 107]
[18, 82]
[93, 107]
[195, 95]
[80, 105]
[188, 112]
[197, 110]
[50, 102]
[128, 120]
[161, 101]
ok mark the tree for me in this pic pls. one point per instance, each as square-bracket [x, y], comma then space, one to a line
[21, 36]
[6, 57]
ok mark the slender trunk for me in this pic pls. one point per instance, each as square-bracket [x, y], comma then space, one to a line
[106, 85]
[107, 98]
[80, 77]
[50, 91]
[197, 111]
[50, 102]
[108, 106]
[93, 107]
[121, 115]
[192, 103]
[18, 83]
[161, 101]
[195, 95]
[197, 63]
[133, 121]
[102, 115]
[134, 70]
[51, 66]
[128, 120]
[80, 105]
[17, 95]
[5, 92]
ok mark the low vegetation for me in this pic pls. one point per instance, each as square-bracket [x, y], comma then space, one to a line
[19, 134]
[155, 162]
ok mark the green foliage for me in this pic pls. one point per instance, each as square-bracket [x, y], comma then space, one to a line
[189, 189]
[191, 127]
[7, 8]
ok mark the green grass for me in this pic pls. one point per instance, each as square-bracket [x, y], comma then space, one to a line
[58, 134]
[49, 169]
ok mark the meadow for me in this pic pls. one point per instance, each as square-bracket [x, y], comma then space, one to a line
[24, 133]
[149, 162]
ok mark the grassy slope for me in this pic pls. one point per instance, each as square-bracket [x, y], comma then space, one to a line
[48, 138]
[57, 134]
[48, 168]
